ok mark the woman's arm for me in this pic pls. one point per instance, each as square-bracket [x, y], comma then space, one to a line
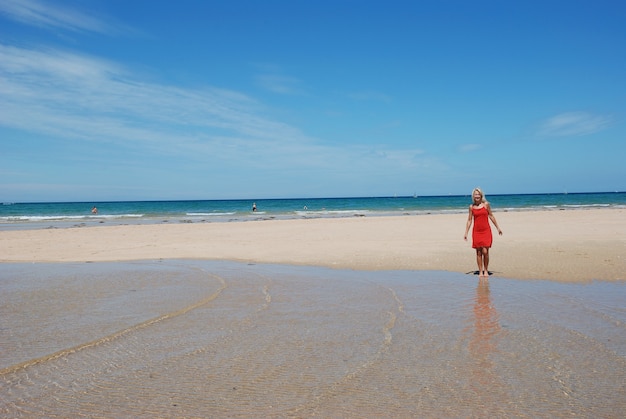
[469, 222]
[493, 218]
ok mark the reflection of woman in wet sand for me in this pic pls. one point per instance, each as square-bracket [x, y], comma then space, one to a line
[480, 213]
[483, 342]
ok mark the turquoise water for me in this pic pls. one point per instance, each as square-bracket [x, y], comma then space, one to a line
[13, 215]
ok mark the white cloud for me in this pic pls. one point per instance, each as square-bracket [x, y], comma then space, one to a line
[276, 83]
[57, 92]
[67, 99]
[468, 148]
[60, 94]
[37, 13]
[574, 124]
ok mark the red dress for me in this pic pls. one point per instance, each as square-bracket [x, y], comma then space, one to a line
[481, 234]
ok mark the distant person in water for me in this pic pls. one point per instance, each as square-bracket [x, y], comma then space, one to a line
[480, 213]
[94, 210]
[254, 207]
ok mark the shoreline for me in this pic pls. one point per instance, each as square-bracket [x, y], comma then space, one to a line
[565, 245]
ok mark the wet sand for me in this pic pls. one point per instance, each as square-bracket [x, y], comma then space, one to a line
[574, 246]
[176, 338]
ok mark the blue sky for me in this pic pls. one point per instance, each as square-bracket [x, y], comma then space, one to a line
[149, 99]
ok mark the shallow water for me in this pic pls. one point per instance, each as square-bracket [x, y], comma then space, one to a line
[215, 339]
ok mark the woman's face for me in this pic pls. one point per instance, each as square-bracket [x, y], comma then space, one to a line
[477, 197]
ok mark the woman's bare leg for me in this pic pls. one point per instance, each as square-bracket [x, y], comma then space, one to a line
[485, 253]
[479, 260]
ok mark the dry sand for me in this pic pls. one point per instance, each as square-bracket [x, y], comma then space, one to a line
[571, 245]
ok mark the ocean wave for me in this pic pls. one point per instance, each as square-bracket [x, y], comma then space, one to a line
[331, 212]
[208, 214]
[40, 218]
[585, 205]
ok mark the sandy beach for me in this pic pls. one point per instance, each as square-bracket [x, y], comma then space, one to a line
[353, 317]
[570, 246]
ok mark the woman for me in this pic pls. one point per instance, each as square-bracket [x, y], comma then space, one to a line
[480, 213]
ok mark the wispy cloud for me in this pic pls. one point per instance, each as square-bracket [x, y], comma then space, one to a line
[64, 94]
[60, 94]
[50, 15]
[281, 84]
[574, 124]
[468, 148]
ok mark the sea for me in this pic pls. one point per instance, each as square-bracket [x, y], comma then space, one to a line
[16, 215]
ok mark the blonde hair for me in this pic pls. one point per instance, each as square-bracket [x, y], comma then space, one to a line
[482, 195]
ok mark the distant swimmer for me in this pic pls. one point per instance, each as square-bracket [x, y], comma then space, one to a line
[94, 210]
[254, 207]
